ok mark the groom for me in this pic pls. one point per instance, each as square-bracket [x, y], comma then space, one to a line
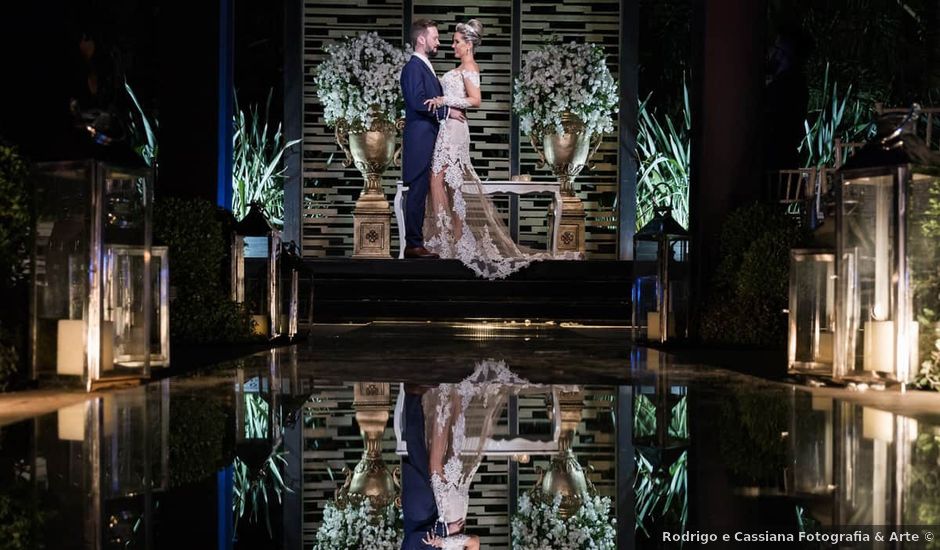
[417, 498]
[418, 84]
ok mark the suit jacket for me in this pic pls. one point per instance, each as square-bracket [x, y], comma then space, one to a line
[418, 84]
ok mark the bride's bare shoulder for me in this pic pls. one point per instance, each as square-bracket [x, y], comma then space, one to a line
[470, 67]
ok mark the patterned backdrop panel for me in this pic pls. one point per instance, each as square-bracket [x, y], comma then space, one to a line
[595, 21]
[331, 190]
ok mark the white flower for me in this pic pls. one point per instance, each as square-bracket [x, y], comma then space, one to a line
[360, 78]
[537, 526]
[356, 527]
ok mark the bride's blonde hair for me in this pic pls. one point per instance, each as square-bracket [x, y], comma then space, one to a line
[472, 30]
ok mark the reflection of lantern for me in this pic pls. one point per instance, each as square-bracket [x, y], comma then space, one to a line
[874, 451]
[257, 412]
[886, 252]
[107, 459]
[812, 311]
[811, 440]
[256, 245]
[661, 278]
[92, 312]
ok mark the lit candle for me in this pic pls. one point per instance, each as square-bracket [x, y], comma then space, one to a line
[653, 331]
[878, 351]
[824, 351]
[261, 324]
[70, 347]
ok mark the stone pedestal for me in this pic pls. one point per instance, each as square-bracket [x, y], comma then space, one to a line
[372, 227]
[571, 227]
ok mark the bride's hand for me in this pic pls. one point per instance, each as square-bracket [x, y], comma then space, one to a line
[434, 103]
[433, 540]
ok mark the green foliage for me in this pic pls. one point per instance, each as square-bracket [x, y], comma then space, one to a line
[927, 291]
[15, 236]
[197, 439]
[15, 226]
[661, 493]
[257, 172]
[144, 132]
[252, 490]
[749, 289]
[202, 311]
[22, 515]
[886, 56]
[847, 116]
[751, 443]
[921, 501]
[664, 150]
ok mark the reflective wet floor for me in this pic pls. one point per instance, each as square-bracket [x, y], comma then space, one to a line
[262, 452]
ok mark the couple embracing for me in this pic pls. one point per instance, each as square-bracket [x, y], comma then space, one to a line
[447, 213]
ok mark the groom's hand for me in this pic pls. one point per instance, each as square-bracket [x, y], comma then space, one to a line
[457, 114]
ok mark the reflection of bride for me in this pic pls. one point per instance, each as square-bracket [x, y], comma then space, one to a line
[460, 419]
[461, 222]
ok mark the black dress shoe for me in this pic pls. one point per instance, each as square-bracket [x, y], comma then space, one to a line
[420, 252]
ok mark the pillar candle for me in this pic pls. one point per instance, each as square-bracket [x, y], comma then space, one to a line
[878, 350]
[70, 347]
[261, 324]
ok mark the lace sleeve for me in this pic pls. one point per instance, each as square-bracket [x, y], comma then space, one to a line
[458, 102]
[456, 542]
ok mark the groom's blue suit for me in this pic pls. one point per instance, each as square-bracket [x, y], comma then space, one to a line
[417, 497]
[418, 84]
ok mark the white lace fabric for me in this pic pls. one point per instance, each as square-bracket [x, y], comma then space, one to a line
[461, 221]
[460, 419]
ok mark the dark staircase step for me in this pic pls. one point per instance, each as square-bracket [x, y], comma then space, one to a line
[348, 290]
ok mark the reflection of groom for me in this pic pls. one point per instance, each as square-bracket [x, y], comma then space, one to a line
[417, 497]
[418, 84]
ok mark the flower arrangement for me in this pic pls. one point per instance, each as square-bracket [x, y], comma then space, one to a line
[538, 525]
[565, 77]
[356, 526]
[359, 81]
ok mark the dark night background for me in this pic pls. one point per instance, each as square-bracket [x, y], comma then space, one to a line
[168, 50]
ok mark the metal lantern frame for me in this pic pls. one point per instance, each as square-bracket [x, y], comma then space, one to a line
[664, 274]
[253, 230]
[290, 267]
[875, 307]
[88, 213]
[812, 283]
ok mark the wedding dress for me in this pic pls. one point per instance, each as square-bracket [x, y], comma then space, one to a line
[460, 418]
[463, 224]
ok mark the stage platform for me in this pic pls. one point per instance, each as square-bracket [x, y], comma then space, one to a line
[348, 290]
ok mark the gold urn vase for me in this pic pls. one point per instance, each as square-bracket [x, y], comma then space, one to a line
[565, 476]
[371, 479]
[566, 154]
[371, 150]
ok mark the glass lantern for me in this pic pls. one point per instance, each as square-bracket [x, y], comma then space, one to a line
[812, 312]
[661, 278]
[256, 245]
[887, 245]
[290, 267]
[91, 289]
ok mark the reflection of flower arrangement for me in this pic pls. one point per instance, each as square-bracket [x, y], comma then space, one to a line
[924, 484]
[356, 526]
[538, 525]
[360, 78]
[565, 77]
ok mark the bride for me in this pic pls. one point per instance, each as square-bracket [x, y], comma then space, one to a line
[461, 222]
[460, 419]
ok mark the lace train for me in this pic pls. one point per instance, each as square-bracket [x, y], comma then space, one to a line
[461, 221]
